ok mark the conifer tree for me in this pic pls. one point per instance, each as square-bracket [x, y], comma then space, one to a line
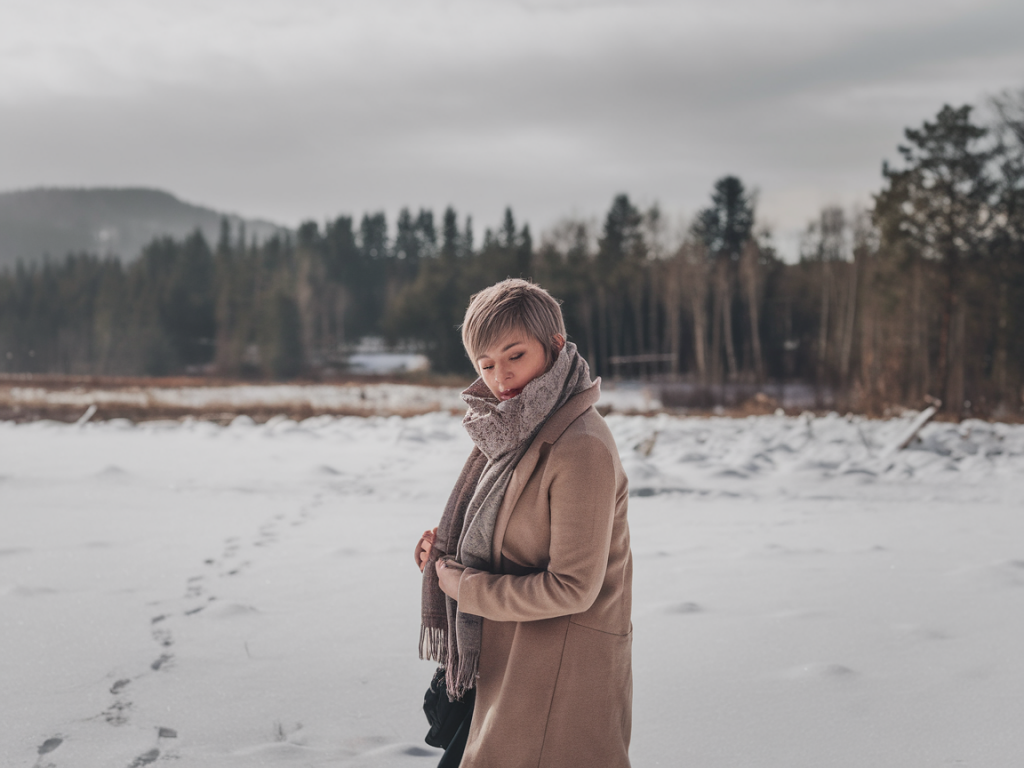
[941, 203]
[724, 228]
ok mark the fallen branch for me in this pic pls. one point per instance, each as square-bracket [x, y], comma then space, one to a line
[89, 413]
[911, 431]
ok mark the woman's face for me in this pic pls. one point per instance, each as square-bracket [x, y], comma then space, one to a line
[513, 361]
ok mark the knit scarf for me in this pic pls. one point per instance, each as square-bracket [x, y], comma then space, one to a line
[501, 432]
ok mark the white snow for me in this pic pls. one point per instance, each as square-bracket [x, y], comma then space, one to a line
[388, 362]
[368, 399]
[245, 595]
[360, 399]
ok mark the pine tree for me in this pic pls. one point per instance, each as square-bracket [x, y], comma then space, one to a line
[724, 228]
[940, 203]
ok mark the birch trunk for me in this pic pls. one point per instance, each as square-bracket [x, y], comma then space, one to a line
[750, 257]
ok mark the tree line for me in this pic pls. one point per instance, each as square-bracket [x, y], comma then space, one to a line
[919, 299]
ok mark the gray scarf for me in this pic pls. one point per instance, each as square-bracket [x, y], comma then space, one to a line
[501, 433]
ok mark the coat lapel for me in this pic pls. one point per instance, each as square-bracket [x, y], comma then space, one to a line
[575, 407]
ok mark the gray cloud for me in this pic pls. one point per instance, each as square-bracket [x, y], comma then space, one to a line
[549, 108]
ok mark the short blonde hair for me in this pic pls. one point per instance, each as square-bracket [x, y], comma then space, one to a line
[511, 305]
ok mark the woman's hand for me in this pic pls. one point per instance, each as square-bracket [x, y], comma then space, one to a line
[448, 577]
[423, 547]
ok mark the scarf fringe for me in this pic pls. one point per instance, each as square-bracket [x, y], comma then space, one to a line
[433, 643]
[460, 681]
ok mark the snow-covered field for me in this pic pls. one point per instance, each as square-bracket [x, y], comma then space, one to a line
[349, 399]
[245, 595]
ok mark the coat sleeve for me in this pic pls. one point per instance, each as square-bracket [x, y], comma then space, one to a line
[582, 498]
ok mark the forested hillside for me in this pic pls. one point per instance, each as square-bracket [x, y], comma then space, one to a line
[36, 223]
[917, 300]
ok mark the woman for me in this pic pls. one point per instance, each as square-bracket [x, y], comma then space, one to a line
[528, 576]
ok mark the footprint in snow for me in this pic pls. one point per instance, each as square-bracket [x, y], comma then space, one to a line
[268, 535]
[145, 759]
[161, 662]
[117, 713]
[230, 610]
[682, 608]
[111, 471]
[49, 745]
[163, 637]
[418, 752]
[46, 748]
[194, 587]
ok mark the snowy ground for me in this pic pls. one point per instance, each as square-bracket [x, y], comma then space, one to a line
[348, 399]
[245, 595]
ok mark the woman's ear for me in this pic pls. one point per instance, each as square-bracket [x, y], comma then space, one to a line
[557, 342]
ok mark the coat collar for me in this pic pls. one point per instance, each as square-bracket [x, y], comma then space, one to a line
[553, 428]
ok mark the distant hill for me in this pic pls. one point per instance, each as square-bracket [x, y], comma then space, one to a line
[120, 222]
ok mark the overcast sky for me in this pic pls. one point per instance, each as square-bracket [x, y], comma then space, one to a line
[295, 109]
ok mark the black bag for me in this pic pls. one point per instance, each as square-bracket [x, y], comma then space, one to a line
[445, 716]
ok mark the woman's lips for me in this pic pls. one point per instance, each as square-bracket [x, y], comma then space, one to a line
[508, 394]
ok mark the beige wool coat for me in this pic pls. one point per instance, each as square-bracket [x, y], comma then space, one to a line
[555, 684]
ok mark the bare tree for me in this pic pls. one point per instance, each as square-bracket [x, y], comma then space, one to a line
[751, 279]
[695, 275]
